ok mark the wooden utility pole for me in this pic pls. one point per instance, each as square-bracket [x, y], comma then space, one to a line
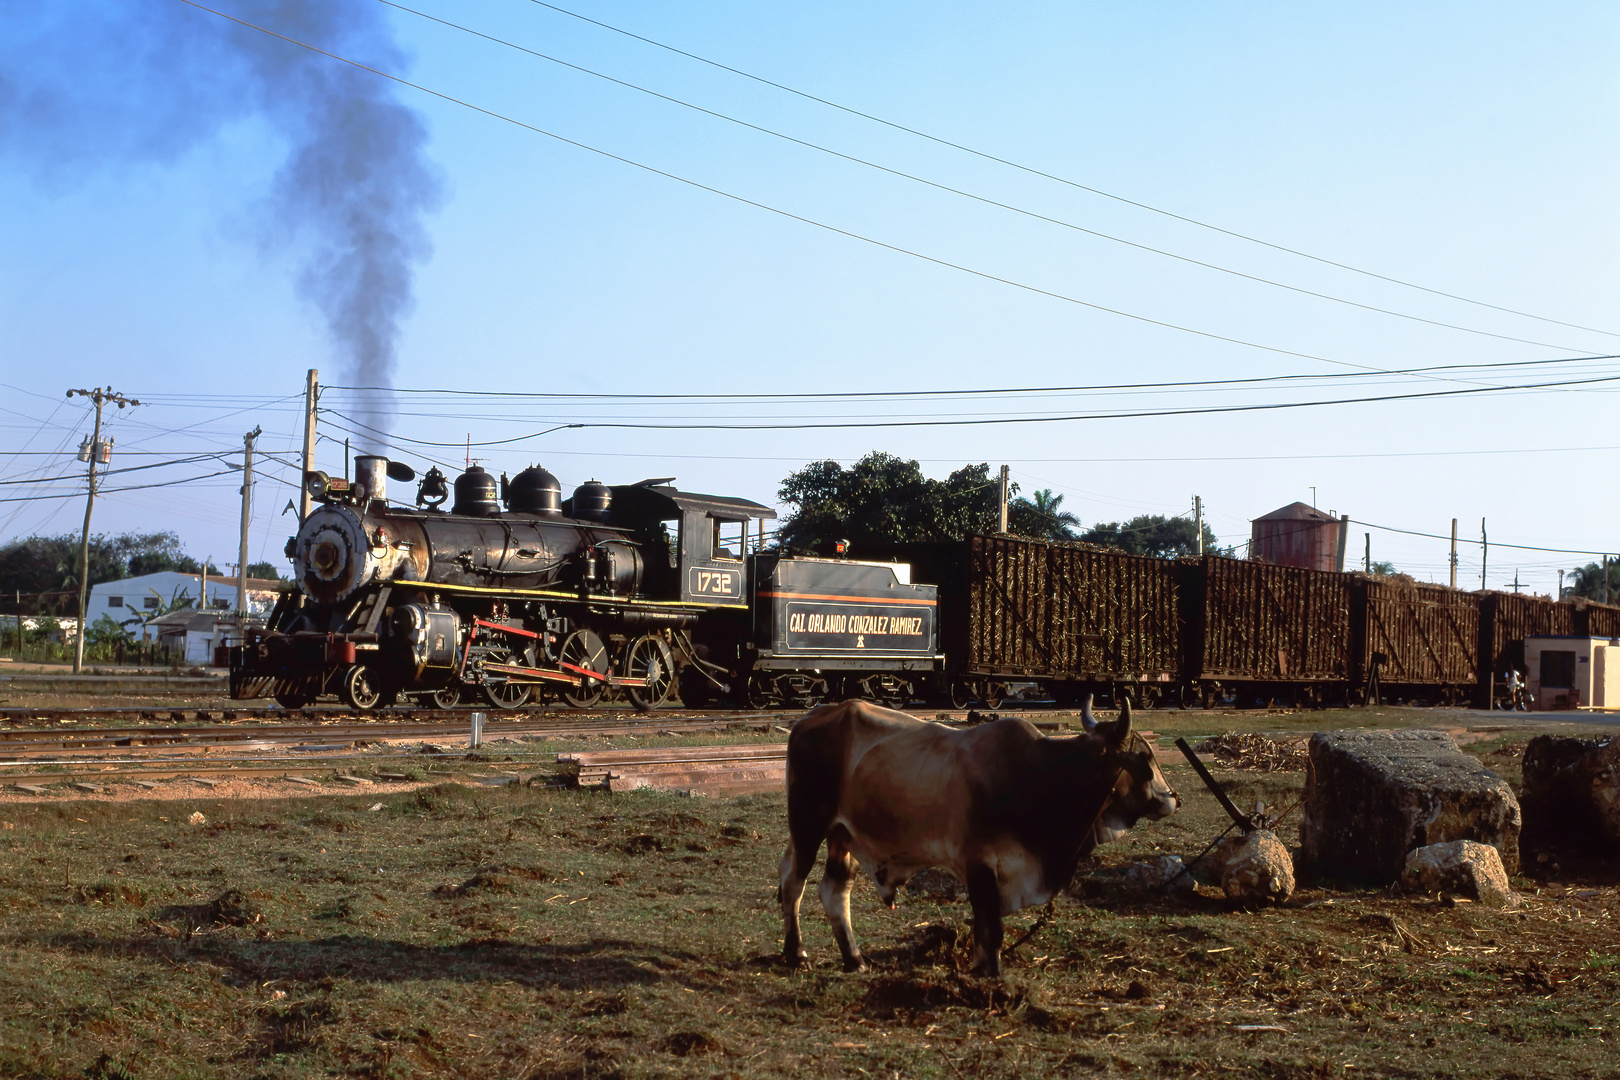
[97, 452]
[1453, 553]
[1004, 494]
[1366, 558]
[1484, 553]
[1198, 522]
[247, 510]
[312, 391]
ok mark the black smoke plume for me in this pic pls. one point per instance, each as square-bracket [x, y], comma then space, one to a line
[104, 84]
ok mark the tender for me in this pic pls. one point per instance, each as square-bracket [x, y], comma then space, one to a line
[1007, 810]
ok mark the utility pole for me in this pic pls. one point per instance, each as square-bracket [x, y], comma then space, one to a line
[1366, 559]
[1453, 553]
[1198, 522]
[1605, 577]
[1484, 553]
[1560, 595]
[247, 510]
[102, 453]
[1004, 493]
[312, 391]
[1515, 581]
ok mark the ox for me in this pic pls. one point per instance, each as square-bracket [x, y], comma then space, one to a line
[1002, 807]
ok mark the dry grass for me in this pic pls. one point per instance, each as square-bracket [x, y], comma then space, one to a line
[545, 933]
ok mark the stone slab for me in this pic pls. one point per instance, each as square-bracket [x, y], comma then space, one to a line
[300, 780]
[1373, 796]
[32, 789]
[92, 788]
[1571, 795]
[204, 781]
[345, 778]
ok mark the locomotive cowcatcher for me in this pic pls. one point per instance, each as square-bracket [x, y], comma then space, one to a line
[638, 588]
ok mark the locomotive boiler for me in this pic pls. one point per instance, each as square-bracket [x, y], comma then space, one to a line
[635, 589]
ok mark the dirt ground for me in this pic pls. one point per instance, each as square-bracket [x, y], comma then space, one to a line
[533, 932]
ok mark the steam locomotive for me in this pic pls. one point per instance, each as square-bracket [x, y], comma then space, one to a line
[637, 589]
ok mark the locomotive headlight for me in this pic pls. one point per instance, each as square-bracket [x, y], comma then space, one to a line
[316, 483]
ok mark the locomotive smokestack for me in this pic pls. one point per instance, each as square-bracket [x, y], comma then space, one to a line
[370, 479]
[85, 88]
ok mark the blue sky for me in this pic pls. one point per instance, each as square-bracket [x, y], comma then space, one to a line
[1466, 148]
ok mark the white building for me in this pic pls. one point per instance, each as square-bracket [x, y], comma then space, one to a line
[136, 600]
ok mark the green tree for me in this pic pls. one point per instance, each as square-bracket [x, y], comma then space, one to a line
[883, 499]
[1041, 516]
[1383, 569]
[45, 563]
[1587, 581]
[1152, 534]
[265, 571]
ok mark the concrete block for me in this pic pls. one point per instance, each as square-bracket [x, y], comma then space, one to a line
[306, 781]
[1571, 794]
[392, 777]
[204, 781]
[345, 778]
[1373, 796]
[32, 789]
[1460, 867]
[91, 788]
[147, 784]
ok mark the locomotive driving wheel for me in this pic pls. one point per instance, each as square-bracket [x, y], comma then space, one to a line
[650, 659]
[505, 694]
[584, 650]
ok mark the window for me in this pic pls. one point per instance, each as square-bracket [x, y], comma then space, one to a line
[150, 603]
[729, 539]
[115, 601]
[1558, 670]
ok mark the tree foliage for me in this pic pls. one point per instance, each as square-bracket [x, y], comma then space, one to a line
[1041, 515]
[267, 571]
[1587, 581]
[884, 499]
[48, 563]
[1152, 534]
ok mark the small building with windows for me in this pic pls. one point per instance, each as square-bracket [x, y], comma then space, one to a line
[1572, 672]
[134, 602]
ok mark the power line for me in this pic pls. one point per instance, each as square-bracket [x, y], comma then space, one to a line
[985, 200]
[1140, 414]
[1063, 180]
[742, 200]
[857, 395]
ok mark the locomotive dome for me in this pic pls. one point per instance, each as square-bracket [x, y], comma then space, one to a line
[535, 491]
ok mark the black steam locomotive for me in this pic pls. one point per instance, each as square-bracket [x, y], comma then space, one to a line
[637, 589]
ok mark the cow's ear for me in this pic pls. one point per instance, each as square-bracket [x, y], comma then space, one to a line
[1119, 732]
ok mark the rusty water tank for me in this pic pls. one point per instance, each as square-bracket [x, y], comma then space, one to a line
[1299, 535]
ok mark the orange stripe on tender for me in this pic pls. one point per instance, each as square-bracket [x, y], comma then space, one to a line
[846, 599]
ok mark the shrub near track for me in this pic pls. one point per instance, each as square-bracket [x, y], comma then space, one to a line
[546, 933]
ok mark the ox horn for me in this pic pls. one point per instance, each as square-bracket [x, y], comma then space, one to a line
[1086, 719]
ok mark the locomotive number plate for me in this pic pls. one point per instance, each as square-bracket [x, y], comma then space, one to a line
[708, 582]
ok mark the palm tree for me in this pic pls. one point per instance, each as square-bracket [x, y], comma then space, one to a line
[1041, 515]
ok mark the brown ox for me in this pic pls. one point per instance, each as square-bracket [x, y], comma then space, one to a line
[1002, 807]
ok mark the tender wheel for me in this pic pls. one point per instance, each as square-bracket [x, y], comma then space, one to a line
[649, 658]
[991, 694]
[962, 694]
[292, 699]
[803, 691]
[446, 698]
[584, 650]
[360, 689]
[761, 692]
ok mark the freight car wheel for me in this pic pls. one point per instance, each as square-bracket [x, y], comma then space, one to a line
[359, 688]
[991, 694]
[649, 658]
[584, 650]
[961, 694]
